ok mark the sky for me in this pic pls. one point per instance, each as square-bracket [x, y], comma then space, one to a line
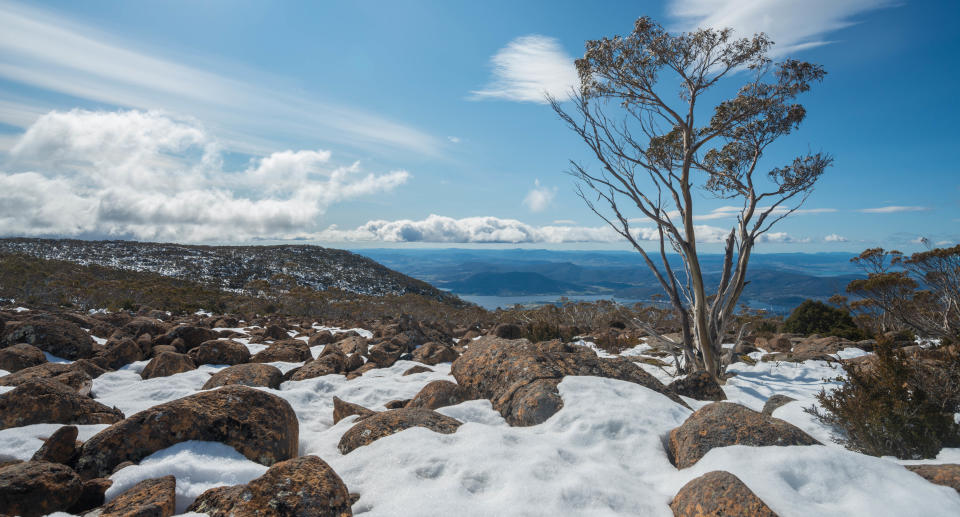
[423, 124]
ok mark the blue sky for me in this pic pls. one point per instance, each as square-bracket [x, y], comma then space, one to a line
[358, 124]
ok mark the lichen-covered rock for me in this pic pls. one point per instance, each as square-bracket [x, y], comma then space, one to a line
[698, 385]
[384, 354]
[189, 337]
[438, 394]
[343, 409]
[288, 350]
[92, 495]
[385, 423]
[778, 343]
[508, 331]
[432, 353]
[416, 369]
[721, 424]
[947, 474]
[718, 494]
[140, 325]
[220, 351]
[116, 354]
[352, 345]
[35, 488]
[17, 357]
[259, 425]
[166, 364]
[148, 498]
[520, 378]
[43, 401]
[60, 447]
[774, 402]
[250, 374]
[324, 337]
[328, 364]
[51, 334]
[275, 332]
[73, 375]
[303, 487]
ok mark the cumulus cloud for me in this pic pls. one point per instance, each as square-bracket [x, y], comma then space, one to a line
[833, 237]
[793, 24]
[539, 197]
[528, 69]
[149, 176]
[893, 209]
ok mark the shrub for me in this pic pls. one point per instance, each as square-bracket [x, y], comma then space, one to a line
[813, 317]
[897, 404]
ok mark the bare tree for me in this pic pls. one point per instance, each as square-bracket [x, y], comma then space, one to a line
[653, 153]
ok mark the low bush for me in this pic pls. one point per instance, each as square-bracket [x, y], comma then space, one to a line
[813, 317]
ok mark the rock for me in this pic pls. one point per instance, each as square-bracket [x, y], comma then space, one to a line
[72, 375]
[520, 379]
[820, 347]
[721, 424]
[385, 423]
[352, 345]
[140, 325]
[384, 354]
[718, 494]
[947, 475]
[17, 357]
[91, 495]
[259, 425]
[432, 353]
[438, 394]
[190, 336]
[148, 498]
[50, 334]
[324, 337]
[276, 332]
[417, 369]
[397, 404]
[35, 488]
[508, 331]
[302, 487]
[288, 350]
[353, 362]
[220, 351]
[250, 374]
[343, 409]
[167, 364]
[60, 447]
[774, 402]
[116, 354]
[778, 343]
[159, 349]
[698, 385]
[43, 401]
[326, 365]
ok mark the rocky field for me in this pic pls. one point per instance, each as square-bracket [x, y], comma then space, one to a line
[148, 414]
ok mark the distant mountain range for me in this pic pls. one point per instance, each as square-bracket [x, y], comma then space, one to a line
[234, 267]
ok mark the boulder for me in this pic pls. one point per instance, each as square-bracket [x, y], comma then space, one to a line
[817, 348]
[774, 402]
[520, 378]
[352, 345]
[947, 474]
[259, 425]
[288, 350]
[324, 337]
[417, 369]
[718, 494]
[116, 354]
[220, 351]
[50, 334]
[17, 357]
[148, 498]
[276, 332]
[250, 374]
[432, 353]
[385, 423]
[385, 354]
[166, 364]
[35, 488]
[73, 375]
[777, 343]
[303, 487]
[140, 325]
[60, 447]
[332, 363]
[698, 385]
[156, 350]
[92, 495]
[190, 337]
[343, 409]
[721, 424]
[354, 361]
[508, 331]
[43, 401]
[438, 394]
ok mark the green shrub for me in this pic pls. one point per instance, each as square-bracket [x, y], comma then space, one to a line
[897, 405]
[813, 317]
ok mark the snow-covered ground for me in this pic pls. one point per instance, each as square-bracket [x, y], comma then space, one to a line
[602, 454]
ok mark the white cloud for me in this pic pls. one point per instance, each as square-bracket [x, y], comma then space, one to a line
[792, 24]
[251, 113]
[725, 212]
[149, 176]
[566, 222]
[539, 197]
[833, 237]
[454, 139]
[893, 209]
[529, 68]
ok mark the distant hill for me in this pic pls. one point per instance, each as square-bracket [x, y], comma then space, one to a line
[234, 268]
[512, 284]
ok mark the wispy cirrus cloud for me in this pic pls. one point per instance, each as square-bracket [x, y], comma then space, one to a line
[528, 69]
[893, 209]
[793, 25]
[150, 176]
[250, 113]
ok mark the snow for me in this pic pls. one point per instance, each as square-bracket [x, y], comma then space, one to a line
[601, 454]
